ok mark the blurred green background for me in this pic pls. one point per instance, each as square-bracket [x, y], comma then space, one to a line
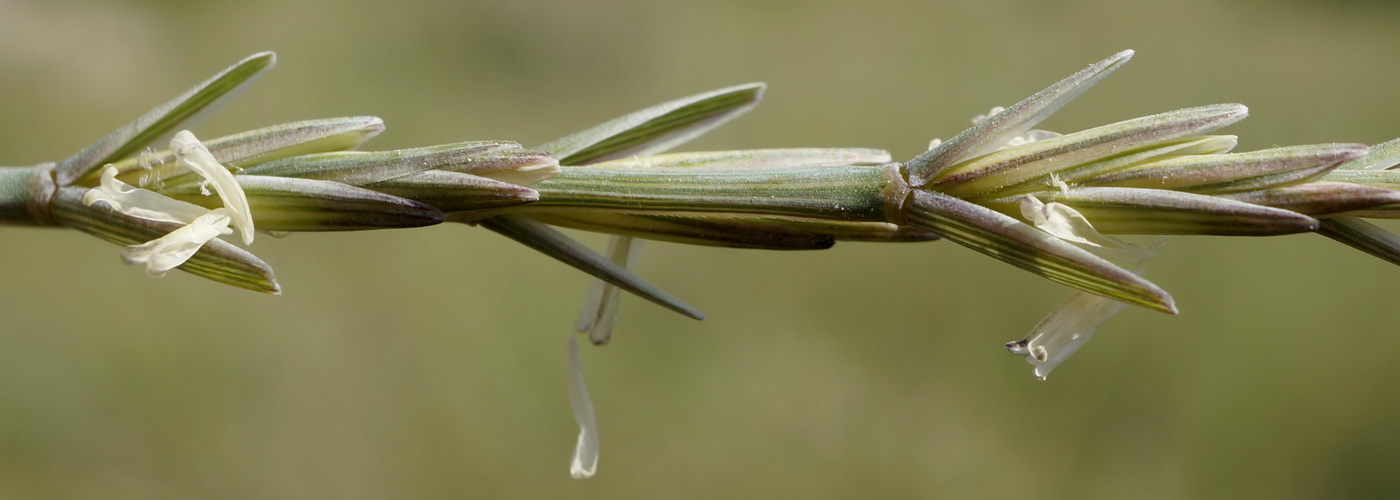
[428, 363]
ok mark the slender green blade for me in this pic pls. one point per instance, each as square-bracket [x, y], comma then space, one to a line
[1322, 197]
[500, 160]
[551, 242]
[1021, 245]
[456, 191]
[652, 130]
[657, 128]
[217, 260]
[752, 232]
[1200, 145]
[737, 232]
[1234, 172]
[250, 148]
[1363, 236]
[1387, 179]
[1073, 153]
[1157, 211]
[755, 158]
[1383, 156]
[292, 204]
[165, 119]
[995, 130]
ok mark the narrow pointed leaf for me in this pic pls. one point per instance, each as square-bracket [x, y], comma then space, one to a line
[1211, 144]
[1378, 179]
[291, 204]
[753, 232]
[876, 232]
[655, 129]
[1187, 146]
[456, 191]
[1155, 211]
[995, 130]
[1322, 198]
[1382, 156]
[1036, 161]
[180, 112]
[1363, 236]
[1388, 179]
[217, 260]
[651, 130]
[253, 147]
[734, 232]
[551, 242]
[1031, 249]
[500, 160]
[295, 139]
[755, 158]
[1234, 172]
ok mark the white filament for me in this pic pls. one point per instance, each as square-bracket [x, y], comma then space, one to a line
[195, 156]
[140, 203]
[600, 305]
[585, 460]
[1062, 332]
[168, 252]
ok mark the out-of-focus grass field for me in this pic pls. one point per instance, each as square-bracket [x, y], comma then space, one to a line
[428, 363]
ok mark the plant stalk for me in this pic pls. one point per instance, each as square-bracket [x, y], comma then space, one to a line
[23, 194]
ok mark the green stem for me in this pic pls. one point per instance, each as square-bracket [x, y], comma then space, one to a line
[17, 191]
[845, 193]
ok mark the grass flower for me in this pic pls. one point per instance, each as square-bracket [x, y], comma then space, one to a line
[1064, 331]
[1048, 203]
[200, 224]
